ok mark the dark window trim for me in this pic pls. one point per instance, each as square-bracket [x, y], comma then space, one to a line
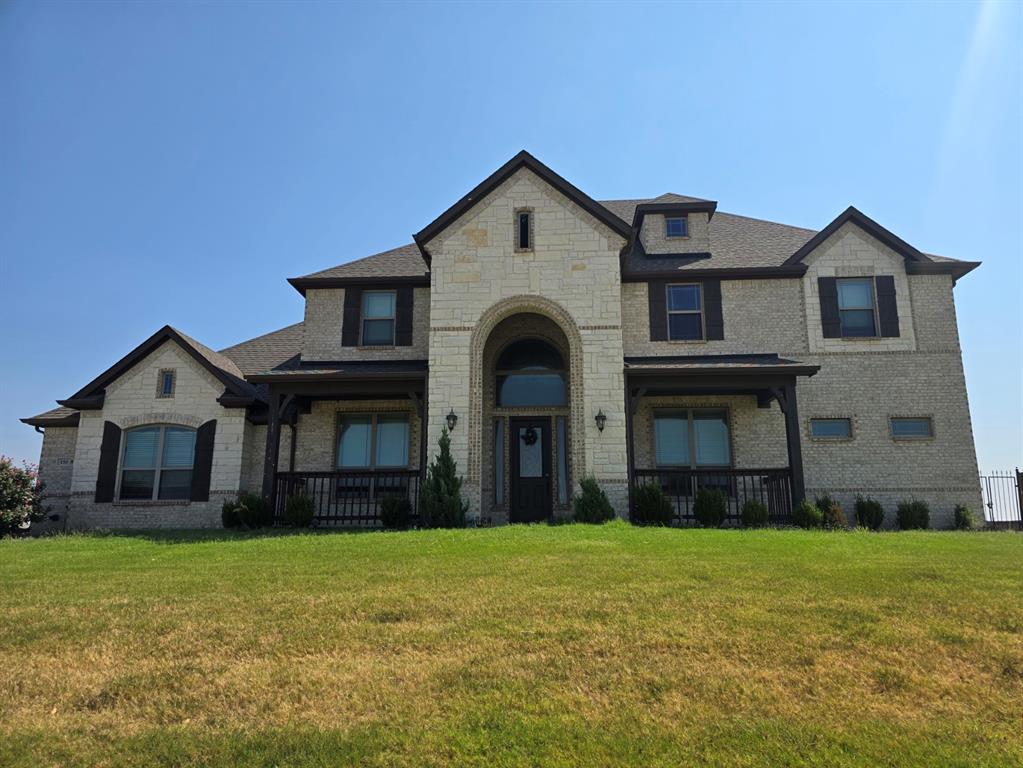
[531, 245]
[690, 410]
[685, 227]
[157, 469]
[701, 311]
[893, 436]
[873, 297]
[372, 439]
[830, 438]
[363, 318]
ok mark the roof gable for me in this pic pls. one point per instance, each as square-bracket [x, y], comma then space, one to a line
[522, 160]
[868, 225]
[236, 389]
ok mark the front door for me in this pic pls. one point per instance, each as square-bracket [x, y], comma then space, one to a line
[530, 453]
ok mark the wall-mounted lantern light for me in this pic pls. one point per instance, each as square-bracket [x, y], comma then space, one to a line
[601, 420]
[452, 420]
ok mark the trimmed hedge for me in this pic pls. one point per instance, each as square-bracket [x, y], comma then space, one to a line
[754, 514]
[395, 511]
[298, 511]
[653, 507]
[913, 514]
[964, 518]
[807, 515]
[710, 508]
[869, 513]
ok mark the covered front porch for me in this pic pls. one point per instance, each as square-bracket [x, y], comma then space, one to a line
[346, 436]
[725, 422]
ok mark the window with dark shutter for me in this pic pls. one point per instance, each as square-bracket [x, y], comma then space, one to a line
[887, 309]
[202, 469]
[827, 289]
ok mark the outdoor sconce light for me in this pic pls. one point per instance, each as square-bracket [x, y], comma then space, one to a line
[601, 420]
[452, 420]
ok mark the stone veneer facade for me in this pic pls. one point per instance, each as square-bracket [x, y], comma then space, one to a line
[568, 289]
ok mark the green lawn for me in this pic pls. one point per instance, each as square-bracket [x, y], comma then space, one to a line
[519, 646]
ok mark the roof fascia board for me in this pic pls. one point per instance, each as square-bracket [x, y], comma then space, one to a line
[868, 225]
[727, 273]
[302, 284]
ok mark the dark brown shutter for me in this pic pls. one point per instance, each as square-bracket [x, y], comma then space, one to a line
[830, 323]
[352, 317]
[109, 449]
[712, 310]
[886, 306]
[403, 318]
[202, 467]
[657, 298]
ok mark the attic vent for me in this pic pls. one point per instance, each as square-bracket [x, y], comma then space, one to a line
[523, 229]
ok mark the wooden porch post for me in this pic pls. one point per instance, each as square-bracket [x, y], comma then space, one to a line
[273, 445]
[793, 441]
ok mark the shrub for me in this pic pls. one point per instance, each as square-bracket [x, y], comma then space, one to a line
[754, 514]
[395, 511]
[831, 512]
[298, 511]
[964, 519]
[229, 515]
[591, 505]
[441, 504]
[652, 506]
[253, 511]
[912, 514]
[710, 508]
[21, 496]
[869, 513]
[807, 515]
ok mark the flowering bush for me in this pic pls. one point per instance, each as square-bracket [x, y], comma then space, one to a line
[20, 496]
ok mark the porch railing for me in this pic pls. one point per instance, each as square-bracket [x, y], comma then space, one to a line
[771, 487]
[347, 498]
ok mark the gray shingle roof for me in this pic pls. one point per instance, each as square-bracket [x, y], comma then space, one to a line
[267, 351]
[404, 261]
[55, 417]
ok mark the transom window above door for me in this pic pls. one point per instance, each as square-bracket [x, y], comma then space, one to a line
[691, 437]
[378, 313]
[531, 372]
[685, 312]
[856, 311]
[156, 463]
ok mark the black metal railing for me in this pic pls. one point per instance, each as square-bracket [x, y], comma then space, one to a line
[347, 497]
[771, 487]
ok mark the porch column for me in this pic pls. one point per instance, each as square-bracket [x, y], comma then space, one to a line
[793, 441]
[273, 445]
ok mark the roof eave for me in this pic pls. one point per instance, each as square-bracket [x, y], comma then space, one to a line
[868, 225]
[302, 284]
[71, 420]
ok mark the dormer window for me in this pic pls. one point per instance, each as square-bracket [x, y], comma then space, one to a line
[676, 226]
[523, 229]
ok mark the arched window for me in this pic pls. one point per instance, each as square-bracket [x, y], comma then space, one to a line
[156, 463]
[531, 372]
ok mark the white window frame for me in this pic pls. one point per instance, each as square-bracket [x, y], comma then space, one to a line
[157, 469]
[669, 311]
[873, 305]
[393, 318]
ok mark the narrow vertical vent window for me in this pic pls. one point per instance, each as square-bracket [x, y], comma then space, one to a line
[523, 230]
[165, 383]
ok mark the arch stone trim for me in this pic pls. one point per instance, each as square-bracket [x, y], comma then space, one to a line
[488, 321]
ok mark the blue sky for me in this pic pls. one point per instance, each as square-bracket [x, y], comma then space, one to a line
[175, 163]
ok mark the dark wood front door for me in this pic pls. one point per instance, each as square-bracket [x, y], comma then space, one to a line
[530, 453]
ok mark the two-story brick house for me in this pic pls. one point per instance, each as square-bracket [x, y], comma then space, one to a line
[636, 341]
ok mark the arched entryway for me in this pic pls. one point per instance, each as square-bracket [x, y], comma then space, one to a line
[526, 433]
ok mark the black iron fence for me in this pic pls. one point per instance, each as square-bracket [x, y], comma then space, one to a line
[1003, 498]
[347, 498]
[771, 487]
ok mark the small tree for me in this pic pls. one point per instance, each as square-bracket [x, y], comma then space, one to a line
[20, 496]
[441, 503]
[591, 504]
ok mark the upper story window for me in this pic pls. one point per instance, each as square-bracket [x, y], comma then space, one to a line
[523, 229]
[378, 318]
[856, 309]
[165, 383]
[912, 427]
[676, 226]
[691, 438]
[685, 312]
[531, 372]
[156, 463]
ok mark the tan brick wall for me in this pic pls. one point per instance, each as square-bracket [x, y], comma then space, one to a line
[131, 401]
[571, 276]
[655, 240]
[316, 433]
[324, 309]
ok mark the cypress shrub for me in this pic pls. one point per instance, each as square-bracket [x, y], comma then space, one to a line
[395, 511]
[591, 505]
[754, 514]
[253, 511]
[653, 507]
[441, 504]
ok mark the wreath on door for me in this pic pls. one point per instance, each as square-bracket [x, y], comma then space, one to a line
[529, 436]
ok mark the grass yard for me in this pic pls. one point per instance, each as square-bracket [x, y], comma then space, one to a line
[519, 646]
